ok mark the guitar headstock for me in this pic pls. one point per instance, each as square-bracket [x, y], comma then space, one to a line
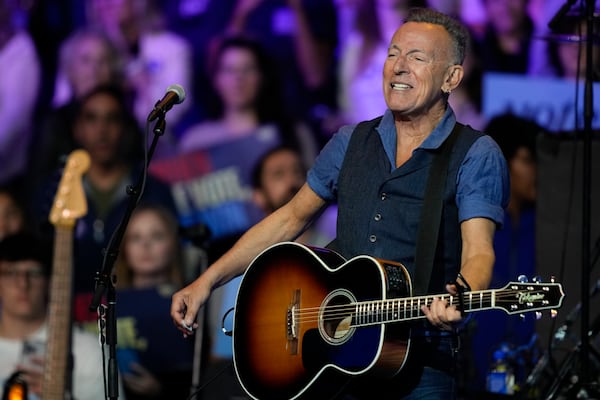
[522, 297]
[69, 202]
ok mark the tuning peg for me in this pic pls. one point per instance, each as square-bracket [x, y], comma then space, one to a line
[552, 279]
[538, 315]
[522, 317]
[553, 313]
[537, 279]
[522, 279]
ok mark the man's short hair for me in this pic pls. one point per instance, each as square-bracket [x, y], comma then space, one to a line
[459, 35]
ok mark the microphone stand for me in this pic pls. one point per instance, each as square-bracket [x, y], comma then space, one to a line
[104, 279]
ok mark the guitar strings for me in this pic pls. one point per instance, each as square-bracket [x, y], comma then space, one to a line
[399, 309]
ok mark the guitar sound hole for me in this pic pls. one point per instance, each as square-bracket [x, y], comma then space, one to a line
[335, 317]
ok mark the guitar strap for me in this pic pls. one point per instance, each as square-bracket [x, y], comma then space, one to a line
[431, 213]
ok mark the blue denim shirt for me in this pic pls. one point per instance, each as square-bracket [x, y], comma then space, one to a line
[481, 191]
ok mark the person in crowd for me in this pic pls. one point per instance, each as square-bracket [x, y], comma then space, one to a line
[276, 178]
[19, 87]
[13, 216]
[154, 361]
[378, 174]
[87, 59]
[105, 129]
[154, 59]
[25, 271]
[514, 245]
[505, 44]
[301, 37]
[567, 50]
[247, 103]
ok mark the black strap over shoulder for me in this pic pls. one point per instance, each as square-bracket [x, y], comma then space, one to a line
[431, 213]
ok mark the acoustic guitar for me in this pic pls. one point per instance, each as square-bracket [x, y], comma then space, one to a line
[69, 205]
[302, 313]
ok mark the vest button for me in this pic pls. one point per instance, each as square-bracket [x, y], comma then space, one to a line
[377, 217]
[383, 196]
[372, 238]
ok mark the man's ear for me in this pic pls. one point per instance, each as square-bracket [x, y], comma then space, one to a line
[454, 76]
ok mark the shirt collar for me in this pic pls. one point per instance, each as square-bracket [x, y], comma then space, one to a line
[387, 133]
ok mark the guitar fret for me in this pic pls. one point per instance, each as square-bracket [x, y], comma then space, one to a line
[480, 299]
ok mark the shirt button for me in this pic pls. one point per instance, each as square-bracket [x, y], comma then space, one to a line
[383, 196]
[377, 217]
[372, 238]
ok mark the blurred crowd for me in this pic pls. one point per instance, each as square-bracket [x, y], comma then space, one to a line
[267, 82]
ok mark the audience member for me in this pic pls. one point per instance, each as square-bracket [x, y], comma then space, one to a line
[155, 58]
[514, 244]
[567, 49]
[504, 46]
[248, 104]
[25, 270]
[276, 178]
[301, 36]
[155, 361]
[12, 213]
[87, 59]
[107, 131]
[19, 87]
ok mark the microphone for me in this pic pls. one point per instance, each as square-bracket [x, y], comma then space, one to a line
[175, 95]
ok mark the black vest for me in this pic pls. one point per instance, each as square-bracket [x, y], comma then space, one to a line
[379, 210]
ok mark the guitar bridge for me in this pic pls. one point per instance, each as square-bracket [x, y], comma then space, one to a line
[291, 323]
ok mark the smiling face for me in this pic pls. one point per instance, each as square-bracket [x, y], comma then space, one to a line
[419, 70]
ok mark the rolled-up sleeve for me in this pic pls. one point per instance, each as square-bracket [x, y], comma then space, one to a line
[483, 185]
[323, 176]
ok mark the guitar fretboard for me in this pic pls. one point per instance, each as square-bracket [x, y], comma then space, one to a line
[513, 298]
[59, 318]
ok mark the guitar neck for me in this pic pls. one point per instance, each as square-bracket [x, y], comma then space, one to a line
[59, 317]
[409, 308]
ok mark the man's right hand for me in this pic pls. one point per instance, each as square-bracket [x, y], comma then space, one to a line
[186, 303]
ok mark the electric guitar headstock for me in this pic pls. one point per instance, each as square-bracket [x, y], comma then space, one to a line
[69, 201]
